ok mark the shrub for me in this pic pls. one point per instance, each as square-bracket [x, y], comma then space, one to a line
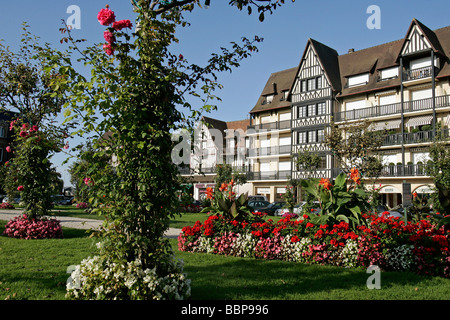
[38, 228]
[82, 205]
[103, 279]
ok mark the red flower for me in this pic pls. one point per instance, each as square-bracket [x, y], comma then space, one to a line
[106, 17]
[34, 128]
[20, 188]
[119, 25]
[355, 176]
[8, 149]
[325, 183]
[109, 37]
[209, 193]
[108, 49]
[23, 134]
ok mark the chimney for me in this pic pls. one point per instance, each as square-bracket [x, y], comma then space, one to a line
[274, 88]
[351, 50]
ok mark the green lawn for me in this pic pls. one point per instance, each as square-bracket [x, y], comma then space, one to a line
[36, 270]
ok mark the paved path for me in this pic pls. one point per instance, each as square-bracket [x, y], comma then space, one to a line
[76, 223]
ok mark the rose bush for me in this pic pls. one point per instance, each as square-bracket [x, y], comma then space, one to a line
[385, 241]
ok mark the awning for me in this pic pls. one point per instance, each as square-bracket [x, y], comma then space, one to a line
[419, 121]
[393, 124]
[389, 189]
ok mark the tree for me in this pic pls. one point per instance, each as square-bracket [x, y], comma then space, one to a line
[25, 89]
[136, 87]
[439, 169]
[356, 146]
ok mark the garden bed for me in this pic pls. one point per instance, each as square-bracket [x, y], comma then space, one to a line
[385, 241]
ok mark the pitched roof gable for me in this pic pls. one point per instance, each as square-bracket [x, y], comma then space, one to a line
[283, 81]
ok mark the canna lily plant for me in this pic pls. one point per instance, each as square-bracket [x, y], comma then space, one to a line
[338, 202]
[225, 202]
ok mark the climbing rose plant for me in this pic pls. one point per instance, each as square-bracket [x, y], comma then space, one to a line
[137, 87]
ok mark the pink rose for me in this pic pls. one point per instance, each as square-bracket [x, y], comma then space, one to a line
[20, 188]
[23, 134]
[119, 25]
[106, 17]
[109, 37]
[8, 149]
[108, 49]
[66, 146]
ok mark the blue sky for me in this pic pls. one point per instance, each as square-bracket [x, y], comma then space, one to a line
[338, 24]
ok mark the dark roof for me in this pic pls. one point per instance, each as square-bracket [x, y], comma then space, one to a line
[328, 57]
[387, 55]
[370, 60]
[277, 83]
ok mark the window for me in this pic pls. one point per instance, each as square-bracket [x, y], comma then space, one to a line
[301, 137]
[2, 132]
[320, 135]
[321, 108]
[358, 80]
[304, 88]
[311, 84]
[302, 112]
[312, 136]
[311, 110]
[319, 82]
[284, 95]
[268, 99]
[389, 73]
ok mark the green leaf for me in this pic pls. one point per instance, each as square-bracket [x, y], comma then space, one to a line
[340, 180]
[341, 217]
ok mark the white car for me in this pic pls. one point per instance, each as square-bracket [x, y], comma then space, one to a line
[297, 209]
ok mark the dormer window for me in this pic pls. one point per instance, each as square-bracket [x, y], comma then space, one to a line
[388, 73]
[358, 80]
[284, 95]
[268, 99]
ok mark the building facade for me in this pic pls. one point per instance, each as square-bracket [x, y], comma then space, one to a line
[270, 138]
[215, 142]
[402, 87]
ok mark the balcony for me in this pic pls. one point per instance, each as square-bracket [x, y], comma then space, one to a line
[412, 137]
[419, 73]
[270, 151]
[270, 126]
[269, 175]
[395, 108]
[397, 170]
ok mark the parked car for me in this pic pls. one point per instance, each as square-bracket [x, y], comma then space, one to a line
[255, 198]
[274, 206]
[392, 213]
[258, 205]
[297, 209]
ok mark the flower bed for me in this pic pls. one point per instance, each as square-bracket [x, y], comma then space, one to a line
[385, 241]
[41, 228]
[6, 205]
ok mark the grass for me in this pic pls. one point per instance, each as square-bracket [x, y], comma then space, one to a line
[36, 270]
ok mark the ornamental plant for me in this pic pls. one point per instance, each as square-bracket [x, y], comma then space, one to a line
[225, 202]
[138, 86]
[339, 202]
[23, 227]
